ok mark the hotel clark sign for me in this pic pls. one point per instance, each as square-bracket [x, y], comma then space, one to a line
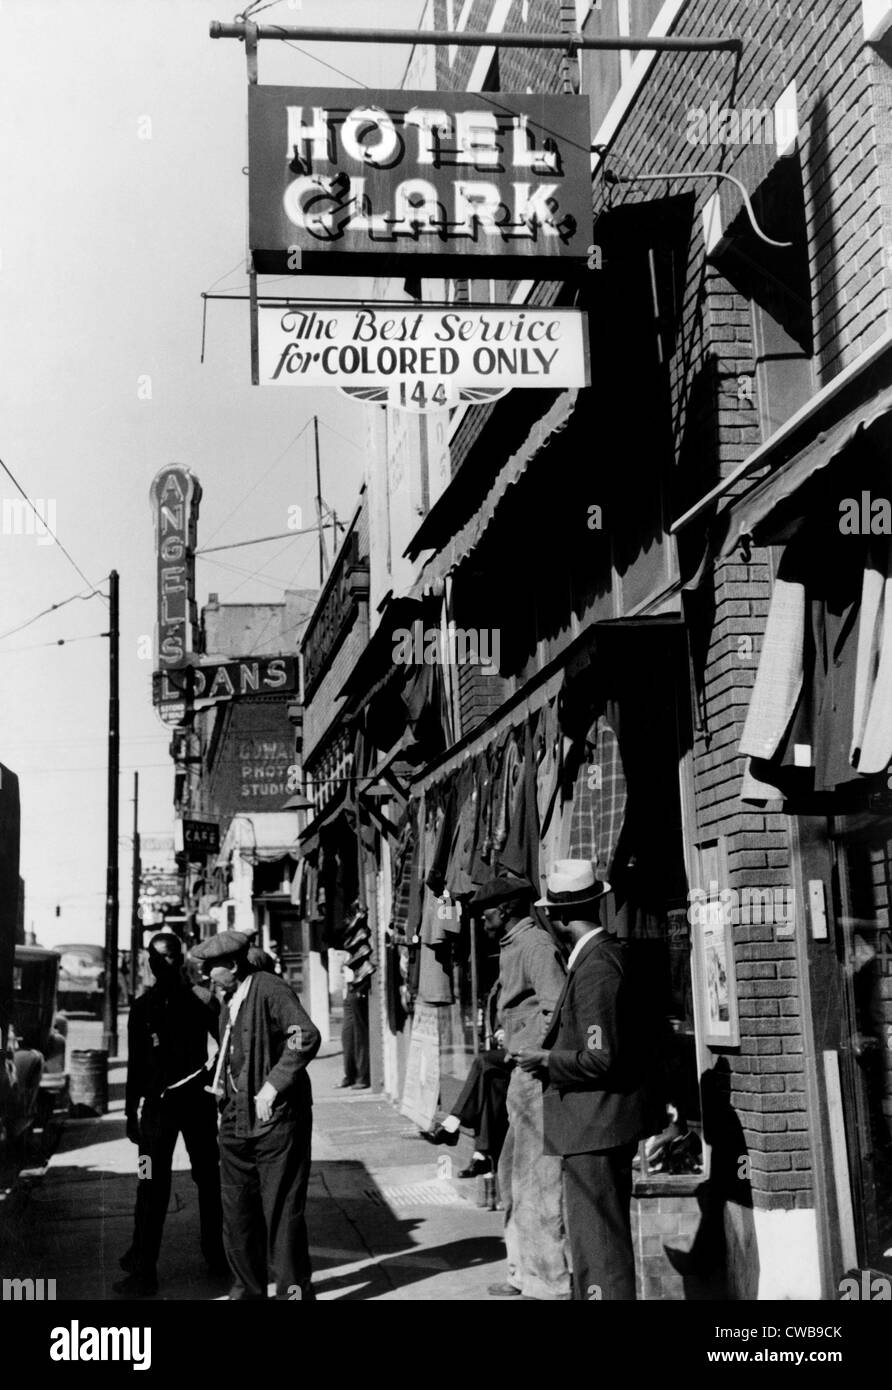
[341, 179]
[423, 356]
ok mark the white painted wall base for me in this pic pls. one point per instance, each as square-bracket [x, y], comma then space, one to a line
[772, 1254]
[317, 1005]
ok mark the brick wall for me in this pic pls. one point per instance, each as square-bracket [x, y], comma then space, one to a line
[845, 158]
[323, 709]
[323, 706]
[820, 47]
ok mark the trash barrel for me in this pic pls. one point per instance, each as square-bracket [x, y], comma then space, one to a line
[88, 1070]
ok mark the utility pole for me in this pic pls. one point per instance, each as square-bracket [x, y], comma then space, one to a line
[110, 1003]
[135, 923]
[323, 562]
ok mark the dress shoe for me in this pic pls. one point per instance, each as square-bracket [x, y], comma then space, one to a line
[361, 1086]
[343, 1084]
[504, 1291]
[476, 1168]
[136, 1286]
[439, 1135]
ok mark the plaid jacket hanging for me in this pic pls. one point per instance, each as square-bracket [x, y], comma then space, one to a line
[599, 799]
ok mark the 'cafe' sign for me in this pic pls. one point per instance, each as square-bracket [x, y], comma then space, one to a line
[439, 174]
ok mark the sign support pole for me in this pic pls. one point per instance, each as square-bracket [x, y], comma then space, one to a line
[135, 922]
[250, 32]
[442, 38]
[110, 1002]
[323, 561]
[252, 312]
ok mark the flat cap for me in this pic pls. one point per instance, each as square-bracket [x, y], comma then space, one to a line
[225, 943]
[501, 889]
[260, 959]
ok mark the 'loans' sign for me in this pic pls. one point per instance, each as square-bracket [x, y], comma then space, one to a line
[429, 353]
[336, 176]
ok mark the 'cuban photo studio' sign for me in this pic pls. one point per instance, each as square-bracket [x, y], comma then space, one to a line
[338, 177]
[423, 357]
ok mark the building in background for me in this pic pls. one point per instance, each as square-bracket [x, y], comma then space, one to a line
[235, 772]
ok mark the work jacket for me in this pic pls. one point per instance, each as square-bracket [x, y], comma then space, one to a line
[273, 1039]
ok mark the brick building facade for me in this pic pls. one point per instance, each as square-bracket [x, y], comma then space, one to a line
[739, 304]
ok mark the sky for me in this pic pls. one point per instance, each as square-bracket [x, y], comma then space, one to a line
[122, 198]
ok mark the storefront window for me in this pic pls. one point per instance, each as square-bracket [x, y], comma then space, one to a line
[866, 887]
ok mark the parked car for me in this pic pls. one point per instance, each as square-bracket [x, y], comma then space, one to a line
[40, 1035]
[81, 978]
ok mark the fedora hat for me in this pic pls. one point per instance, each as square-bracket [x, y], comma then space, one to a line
[572, 883]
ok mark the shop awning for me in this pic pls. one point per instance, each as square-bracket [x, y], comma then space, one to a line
[769, 512]
[261, 837]
[309, 837]
[468, 537]
[375, 663]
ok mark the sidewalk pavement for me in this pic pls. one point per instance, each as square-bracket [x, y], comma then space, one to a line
[382, 1223]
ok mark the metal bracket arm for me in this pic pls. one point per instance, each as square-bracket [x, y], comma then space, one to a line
[439, 38]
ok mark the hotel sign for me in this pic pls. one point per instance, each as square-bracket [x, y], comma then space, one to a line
[423, 356]
[337, 177]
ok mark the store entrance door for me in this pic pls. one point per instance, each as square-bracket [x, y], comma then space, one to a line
[847, 867]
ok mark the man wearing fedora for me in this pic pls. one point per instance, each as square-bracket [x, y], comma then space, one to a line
[593, 1059]
[531, 977]
[266, 1121]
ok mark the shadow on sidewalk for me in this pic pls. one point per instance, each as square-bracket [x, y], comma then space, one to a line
[73, 1224]
[380, 1277]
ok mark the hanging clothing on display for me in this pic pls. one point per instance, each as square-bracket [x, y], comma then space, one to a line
[549, 778]
[481, 871]
[431, 932]
[818, 700]
[504, 806]
[435, 974]
[403, 865]
[599, 797]
[416, 876]
[520, 854]
[393, 981]
[819, 734]
[435, 876]
[872, 732]
[461, 854]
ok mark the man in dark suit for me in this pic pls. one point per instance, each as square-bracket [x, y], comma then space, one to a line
[595, 1108]
[168, 1033]
[266, 1122]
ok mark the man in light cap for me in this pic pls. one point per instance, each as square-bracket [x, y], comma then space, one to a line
[594, 1059]
[531, 977]
[266, 1121]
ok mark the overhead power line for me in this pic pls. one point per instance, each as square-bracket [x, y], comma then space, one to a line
[52, 609]
[45, 524]
[257, 482]
[59, 642]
